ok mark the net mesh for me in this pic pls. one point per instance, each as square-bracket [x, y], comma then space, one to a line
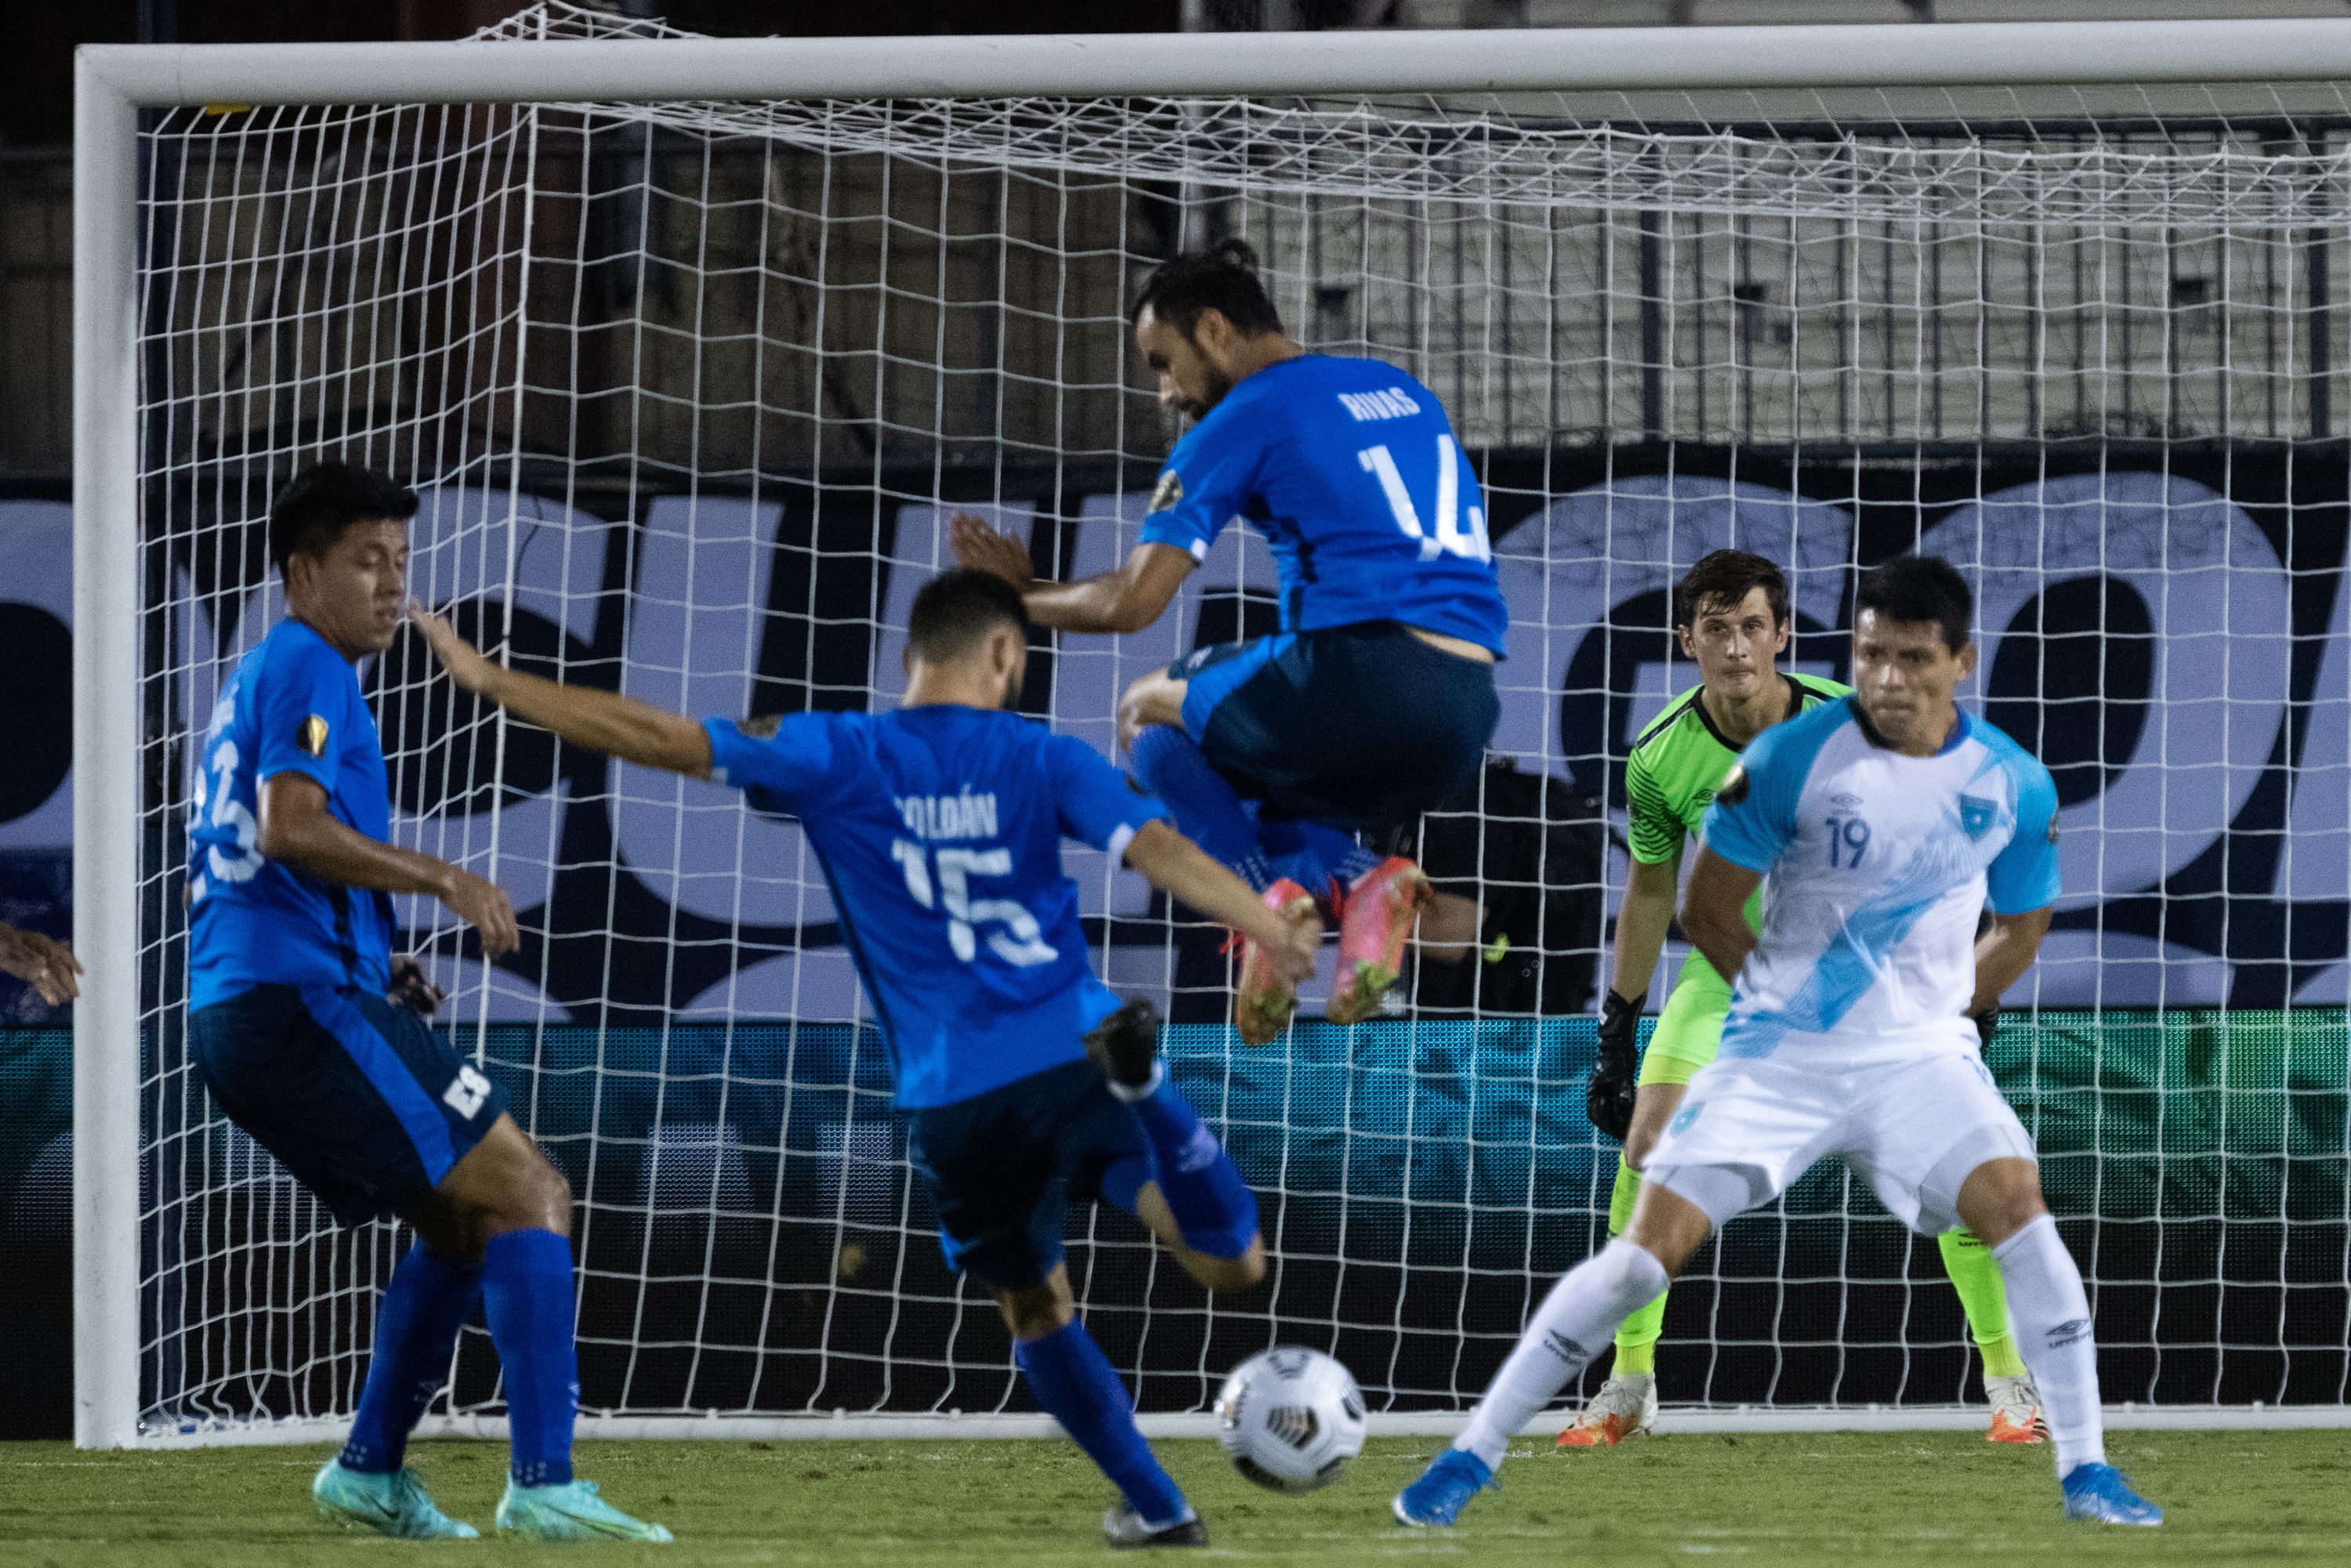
[690, 391]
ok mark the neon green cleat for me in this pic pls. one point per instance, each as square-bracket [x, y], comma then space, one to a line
[393, 1505]
[571, 1511]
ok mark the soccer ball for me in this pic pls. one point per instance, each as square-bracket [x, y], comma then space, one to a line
[1290, 1418]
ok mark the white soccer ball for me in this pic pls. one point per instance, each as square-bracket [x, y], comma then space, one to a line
[1290, 1418]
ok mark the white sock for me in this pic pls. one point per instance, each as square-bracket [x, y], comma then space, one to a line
[1576, 1321]
[2050, 1313]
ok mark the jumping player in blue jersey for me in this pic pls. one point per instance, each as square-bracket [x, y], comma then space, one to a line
[1888, 822]
[313, 1038]
[1024, 1082]
[1375, 701]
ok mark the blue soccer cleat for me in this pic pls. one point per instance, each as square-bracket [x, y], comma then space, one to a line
[392, 1504]
[1445, 1489]
[571, 1511]
[2100, 1493]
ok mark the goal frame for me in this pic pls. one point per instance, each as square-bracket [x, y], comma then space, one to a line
[114, 83]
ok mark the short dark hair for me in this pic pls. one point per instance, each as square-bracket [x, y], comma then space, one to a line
[311, 513]
[1222, 278]
[956, 609]
[1916, 588]
[1726, 577]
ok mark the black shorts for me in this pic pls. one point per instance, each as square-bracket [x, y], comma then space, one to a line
[1361, 727]
[1002, 1167]
[359, 1100]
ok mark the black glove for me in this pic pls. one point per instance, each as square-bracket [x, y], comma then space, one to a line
[413, 989]
[1608, 1097]
[1987, 1023]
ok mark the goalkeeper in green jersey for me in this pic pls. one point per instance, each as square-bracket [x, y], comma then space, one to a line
[1730, 614]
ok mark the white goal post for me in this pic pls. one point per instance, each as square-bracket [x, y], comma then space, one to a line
[116, 85]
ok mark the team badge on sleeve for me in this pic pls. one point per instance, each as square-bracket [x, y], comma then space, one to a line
[1168, 491]
[312, 736]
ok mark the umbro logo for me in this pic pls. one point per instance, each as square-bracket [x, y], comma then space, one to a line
[2068, 1332]
[1566, 1349]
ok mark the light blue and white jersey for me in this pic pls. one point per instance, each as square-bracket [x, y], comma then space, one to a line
[1877, 867]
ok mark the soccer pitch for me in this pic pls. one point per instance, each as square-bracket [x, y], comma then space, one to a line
[1902, 1497]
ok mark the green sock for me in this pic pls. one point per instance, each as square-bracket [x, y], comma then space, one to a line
[1637, 1336]
[1975, 1275]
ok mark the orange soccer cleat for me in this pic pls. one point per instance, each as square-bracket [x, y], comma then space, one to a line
[1262, 999]
[2015, 1411]
[1624, 1407]
[1375, 920]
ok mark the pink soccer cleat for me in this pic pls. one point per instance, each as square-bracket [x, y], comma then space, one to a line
[1375, 920]
[1262, 1000]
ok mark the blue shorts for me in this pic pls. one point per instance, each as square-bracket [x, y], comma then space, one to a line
[1360, 727]
[359, 1100]
[1002, 1167]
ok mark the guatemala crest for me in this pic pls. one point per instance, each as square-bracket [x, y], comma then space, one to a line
[1976, 814]
[312, 736]
[1168, 491]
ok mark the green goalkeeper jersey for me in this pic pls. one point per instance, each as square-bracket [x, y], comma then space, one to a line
[1670, 780]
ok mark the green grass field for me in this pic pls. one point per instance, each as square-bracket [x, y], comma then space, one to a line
[1905, 1499]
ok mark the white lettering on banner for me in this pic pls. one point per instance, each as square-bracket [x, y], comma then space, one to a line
[2219, 642]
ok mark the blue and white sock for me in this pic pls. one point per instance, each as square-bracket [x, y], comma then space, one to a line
[1073, 1382]
[1213, 1207]
[1312, 855]
[527, 1296]
[1207, 812]
[416, 1324]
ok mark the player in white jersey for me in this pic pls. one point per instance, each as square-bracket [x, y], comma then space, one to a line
[1887, 822]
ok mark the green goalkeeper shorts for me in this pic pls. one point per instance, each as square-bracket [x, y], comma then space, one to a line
[1689, 1031]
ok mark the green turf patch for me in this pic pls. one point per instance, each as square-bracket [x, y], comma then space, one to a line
[1900, 1499]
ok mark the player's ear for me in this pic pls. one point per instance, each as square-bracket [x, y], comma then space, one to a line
[1967, 657]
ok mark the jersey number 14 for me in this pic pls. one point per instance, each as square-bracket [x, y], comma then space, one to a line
[1450, 537]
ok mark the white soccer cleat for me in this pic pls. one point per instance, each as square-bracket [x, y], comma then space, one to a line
[2015, 1410]
[1624, 1407]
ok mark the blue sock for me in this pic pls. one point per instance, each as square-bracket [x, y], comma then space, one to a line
[1207, 810]
[1073, 1383]
[1213, 1207]
[416, 1325]
[527, 1296]
[1312, 855]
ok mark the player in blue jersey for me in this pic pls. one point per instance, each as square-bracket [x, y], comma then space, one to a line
[1888, 822]
[1375, 701]
[312, 1039]
[1025, 1084]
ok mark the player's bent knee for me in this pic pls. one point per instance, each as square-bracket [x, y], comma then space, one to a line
[1999, 1197]
[1234, 1273]
[1667, 1225]
[1035, 1312]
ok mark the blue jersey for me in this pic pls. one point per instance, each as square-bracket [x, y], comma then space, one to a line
[1877, 866]
[1349, 469]
[292, 706]
[939, 829]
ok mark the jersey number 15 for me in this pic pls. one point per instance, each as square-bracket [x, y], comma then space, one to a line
[1021, 942]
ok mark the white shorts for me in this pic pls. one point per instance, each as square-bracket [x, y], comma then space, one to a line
[1915, 1129]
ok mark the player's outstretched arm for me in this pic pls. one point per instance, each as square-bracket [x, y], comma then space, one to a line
[2005, 950]
[42, 962]
[602, 721]
[1126, 598]
[1180, 868]
[297, 829]
[1714, 912]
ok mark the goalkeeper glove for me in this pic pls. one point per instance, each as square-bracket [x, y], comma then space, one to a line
[1608, 1097]
[1987, 1023]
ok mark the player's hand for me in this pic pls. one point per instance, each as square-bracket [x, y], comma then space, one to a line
[1297, 943]
[413, 989]
[467, 666]
[45, 963]
[1608, 1096]
[484, 906]
[982, 549]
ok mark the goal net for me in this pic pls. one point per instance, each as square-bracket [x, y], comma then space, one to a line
[690, 388]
